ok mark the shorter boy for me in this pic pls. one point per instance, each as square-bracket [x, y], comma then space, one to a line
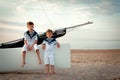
[30, 42]
[49, 45]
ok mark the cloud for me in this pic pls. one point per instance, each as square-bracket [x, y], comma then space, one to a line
[11, 26]
[15, 27]
[61, 13]
[24, 8]
[106, 8]
[54, 11]
[7, 8]
[12, 23]
[103, 7]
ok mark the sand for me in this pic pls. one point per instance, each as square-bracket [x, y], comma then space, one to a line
[85, 65]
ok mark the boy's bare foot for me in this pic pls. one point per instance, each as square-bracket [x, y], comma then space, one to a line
[40, 62]
[53, 73]
[23, 65]
[48, 74]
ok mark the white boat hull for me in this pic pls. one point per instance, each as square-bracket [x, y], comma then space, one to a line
[11, 59]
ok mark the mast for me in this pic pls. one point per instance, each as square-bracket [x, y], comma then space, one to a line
[79, 25]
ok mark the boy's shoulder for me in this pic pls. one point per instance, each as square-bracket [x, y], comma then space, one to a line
[31, 36]
[50, 40]
[27, 32]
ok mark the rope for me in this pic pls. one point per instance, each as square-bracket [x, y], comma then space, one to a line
[46, 14]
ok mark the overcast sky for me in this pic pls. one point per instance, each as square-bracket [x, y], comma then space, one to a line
[55, 14]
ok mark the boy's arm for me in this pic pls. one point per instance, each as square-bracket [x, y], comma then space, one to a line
[35, 42]
[31, 47]
[58, 45]
[43, 45]
[25, 39]
[25, 42]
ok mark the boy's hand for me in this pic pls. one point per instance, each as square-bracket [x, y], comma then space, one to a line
[43, 46]
[29, 47]
[40, 62]
[58, 45]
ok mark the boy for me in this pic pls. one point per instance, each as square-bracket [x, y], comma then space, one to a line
[30, 42]
[49, 46]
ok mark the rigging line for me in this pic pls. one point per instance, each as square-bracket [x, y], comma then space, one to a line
[46, 14]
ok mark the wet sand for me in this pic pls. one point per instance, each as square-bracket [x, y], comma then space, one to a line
[85, 65]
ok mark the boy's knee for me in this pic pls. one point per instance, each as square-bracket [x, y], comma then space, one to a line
[52, 65]
[37, 50]
[46, 64]
[24, 52]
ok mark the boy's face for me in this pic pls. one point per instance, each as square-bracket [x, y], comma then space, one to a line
[30, 27]
[49, 34]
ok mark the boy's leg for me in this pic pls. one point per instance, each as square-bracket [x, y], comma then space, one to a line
[23, 58]
[24, 50]
[36, 48]
[47, 67]
[38, 55]
[52, 69]
[52, 64]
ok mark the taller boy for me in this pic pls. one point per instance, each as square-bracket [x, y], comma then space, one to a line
[30, 42]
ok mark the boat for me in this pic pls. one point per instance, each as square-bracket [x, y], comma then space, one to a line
[57, 33]
[10, 53]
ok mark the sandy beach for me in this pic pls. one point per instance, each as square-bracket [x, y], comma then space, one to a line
[85, 65]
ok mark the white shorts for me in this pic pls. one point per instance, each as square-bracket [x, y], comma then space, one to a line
[35, 47]
[49, 59]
